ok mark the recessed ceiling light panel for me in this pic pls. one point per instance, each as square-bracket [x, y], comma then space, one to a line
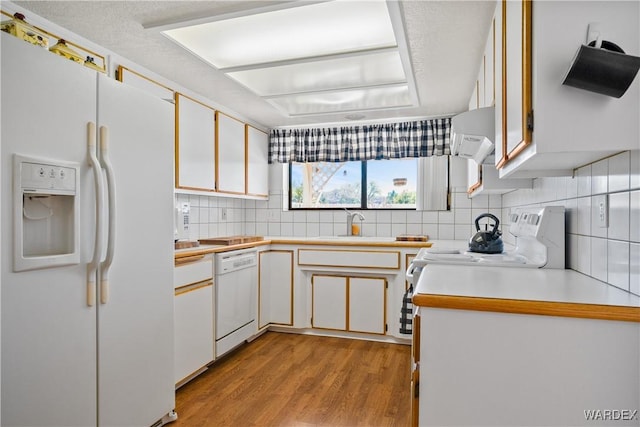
[349, 100]
[310, 30]
[362, 70]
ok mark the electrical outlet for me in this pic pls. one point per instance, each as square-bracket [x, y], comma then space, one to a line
[223, 214]
[602, 206]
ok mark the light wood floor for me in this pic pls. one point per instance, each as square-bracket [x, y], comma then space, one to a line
[301, 380]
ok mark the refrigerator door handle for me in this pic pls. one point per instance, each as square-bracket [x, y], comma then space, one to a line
[111, 194]
[92, 267]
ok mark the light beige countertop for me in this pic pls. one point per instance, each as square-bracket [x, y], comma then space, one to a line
[311, 241]
[554, 292]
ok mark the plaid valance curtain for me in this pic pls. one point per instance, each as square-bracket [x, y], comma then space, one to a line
[423, 138]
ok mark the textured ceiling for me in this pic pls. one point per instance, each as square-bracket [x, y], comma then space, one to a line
[446, 41]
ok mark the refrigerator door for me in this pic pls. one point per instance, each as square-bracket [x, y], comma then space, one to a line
[135, 325]
[48, 330]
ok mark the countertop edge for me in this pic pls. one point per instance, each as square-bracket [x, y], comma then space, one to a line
[544, 308]
[311, 242]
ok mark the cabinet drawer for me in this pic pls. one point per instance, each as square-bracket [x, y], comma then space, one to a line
[192, 270]
[193, 330]
[349, 258]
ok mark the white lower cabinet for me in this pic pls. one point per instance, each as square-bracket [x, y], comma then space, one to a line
[193, 316]
[193, 333]
[275, 288]
[344, 303]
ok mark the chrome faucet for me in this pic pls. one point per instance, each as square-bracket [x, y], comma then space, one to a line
[350, 216]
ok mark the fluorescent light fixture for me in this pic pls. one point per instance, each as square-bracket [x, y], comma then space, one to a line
[306, 53]
[353, 71]
[349, 100]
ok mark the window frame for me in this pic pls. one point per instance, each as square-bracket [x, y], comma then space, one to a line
[363, 194]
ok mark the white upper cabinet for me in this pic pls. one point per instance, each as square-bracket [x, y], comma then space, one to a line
[257, 162]
[544, 128]
[195, 145]
[231, 154]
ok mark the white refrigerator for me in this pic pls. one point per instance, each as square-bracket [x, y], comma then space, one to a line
[74, 352]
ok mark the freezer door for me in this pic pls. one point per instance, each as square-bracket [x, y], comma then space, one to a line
[48, 330]
[135, 324]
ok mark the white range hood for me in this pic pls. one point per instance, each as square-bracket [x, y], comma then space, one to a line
[473, 133]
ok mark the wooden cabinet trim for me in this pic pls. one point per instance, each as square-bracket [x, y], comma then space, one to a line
[120, 73]
[527, 106]
[192, 287]
[291, 278]
[176, 98]
[544, 308]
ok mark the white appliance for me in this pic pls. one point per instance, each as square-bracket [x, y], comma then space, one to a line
[473, 134]
[87, 256]
[182, 221]
[540, 243]
[236, 289]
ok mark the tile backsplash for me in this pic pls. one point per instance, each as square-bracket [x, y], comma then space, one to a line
[610, 254]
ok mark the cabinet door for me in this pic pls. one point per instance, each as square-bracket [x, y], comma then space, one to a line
[516, 105]
[231, 161]
[275, 288]
[329, 302]
[257, 162]
[195, 145]
[367, 302]
[193, 329]
[490, 67]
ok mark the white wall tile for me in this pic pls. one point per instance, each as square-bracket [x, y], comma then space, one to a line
[634, 216]
[584, 216]
[286, 229]
[313, 229]
[572, 255]
[274, 229]
[446, 231]
[326, 229]
[383, 217]
[414, 217]
[480, 202]
[429, 217]
[262, 229]
[583, 264]
[584, 181]
[619, 216]
[495, 201]
[571, 215]
[619, 264]
[430, 230]
[599, 176]
[398, 217]
[463, 232]
[619, 172]
[326, 216]
[572, 187]
[461, 200]
[383, 230]
[414, 229]
[250, 229]
[398, 229]
[462, 216]
[634, 268]
[599, 259]
[634, 165]
[313, 216]
[299, 229]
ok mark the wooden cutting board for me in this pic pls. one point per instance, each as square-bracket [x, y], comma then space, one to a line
[230, 240]
[411, 238]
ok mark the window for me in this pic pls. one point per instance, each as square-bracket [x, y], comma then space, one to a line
[375, 184]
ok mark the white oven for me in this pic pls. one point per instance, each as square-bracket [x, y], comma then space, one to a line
[236, 290]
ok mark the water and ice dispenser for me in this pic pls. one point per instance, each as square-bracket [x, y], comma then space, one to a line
[46, 199]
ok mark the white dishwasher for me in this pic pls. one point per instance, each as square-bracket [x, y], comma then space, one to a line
[236, 293]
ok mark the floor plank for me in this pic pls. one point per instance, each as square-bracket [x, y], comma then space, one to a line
[285, 379]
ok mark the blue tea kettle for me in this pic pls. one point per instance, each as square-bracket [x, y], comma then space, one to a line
[488, 241]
